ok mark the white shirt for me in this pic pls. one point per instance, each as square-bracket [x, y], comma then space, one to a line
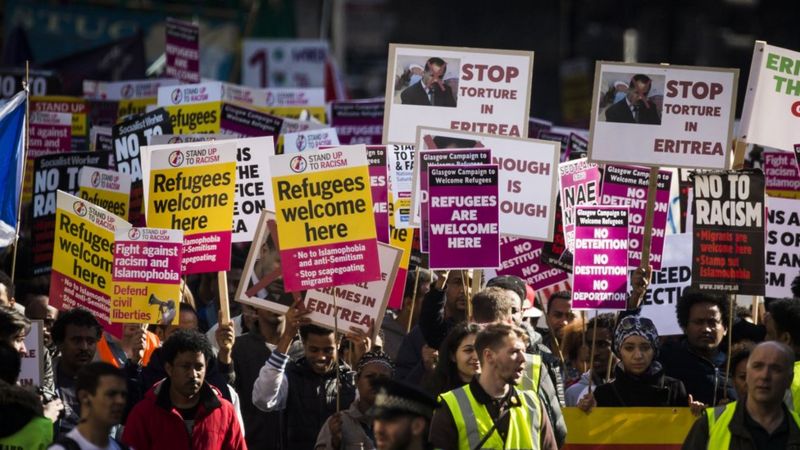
[84, 444]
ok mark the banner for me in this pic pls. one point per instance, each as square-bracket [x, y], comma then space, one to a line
[83, 255]
[464, 217]
[728, 244]
[528, 183]
[191, 188]
[627, 428]
[401, 173]
[771, 106]
[478, 90]
[183, 50]
[308, 140]
[420, 195]
[600, 261]
[580, 186]
[107, 189]
[147, 276]
[522, 258]
[662, 115]
[358, 121]
[32, 363]
[129, 136]
[52, 173]
[781, 173]
[668, 283]
[783, 246]
[627, 186]
[72, 105]
[253, 185]
[324, 198]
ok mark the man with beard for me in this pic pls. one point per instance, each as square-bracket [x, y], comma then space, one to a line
[401, 416]
[184, 411]
[102, 391]
[489, 411]
[600, 330]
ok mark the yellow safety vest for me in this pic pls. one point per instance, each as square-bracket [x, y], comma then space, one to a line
[473, 421]
[719, 419]
[531, 380]
[794, 390]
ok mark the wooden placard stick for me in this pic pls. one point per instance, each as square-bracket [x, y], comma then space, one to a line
[224, 306]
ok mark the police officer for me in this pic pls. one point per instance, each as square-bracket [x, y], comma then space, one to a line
[402, 415]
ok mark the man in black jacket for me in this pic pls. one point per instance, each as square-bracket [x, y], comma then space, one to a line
[636, 107]
[431, 89]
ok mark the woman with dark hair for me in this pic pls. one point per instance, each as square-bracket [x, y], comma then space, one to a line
[639, 378]
[458, 360]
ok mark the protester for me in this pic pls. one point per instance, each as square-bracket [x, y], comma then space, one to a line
[184, 401]
[23, 424]
[291, 386]
[639, 379]
[395, 323]
[508, 418]
[558, 315]
[135, 347]
[575, 352]
[39, 309]
[401, 416]
[352, 427]
[739, 357]
[444, 306]
[458, 363]
[13, 328]
[102, 391]
[187, 320]
[599, 336]
[75, 333]
[251, 349]
[759, 421]
[783, 325]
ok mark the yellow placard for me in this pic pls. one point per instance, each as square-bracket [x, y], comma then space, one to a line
[609, 428]
[195, 118]
[134, 106]
[115, 202]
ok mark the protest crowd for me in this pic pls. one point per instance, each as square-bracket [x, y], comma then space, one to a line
[189, 263]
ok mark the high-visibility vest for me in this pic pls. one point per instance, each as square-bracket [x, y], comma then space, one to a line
[531, 380]
[794, 390]
[473, 421]
[106, 354]
[719, 419]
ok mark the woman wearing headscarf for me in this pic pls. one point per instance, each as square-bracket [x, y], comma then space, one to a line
[639, 379]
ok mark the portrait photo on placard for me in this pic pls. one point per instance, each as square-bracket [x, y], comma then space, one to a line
[635, 98]
[426, 81]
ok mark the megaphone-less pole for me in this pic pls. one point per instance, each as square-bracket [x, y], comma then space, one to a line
[224, 307]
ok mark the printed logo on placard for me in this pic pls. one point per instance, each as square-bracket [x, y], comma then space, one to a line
[300, 143]
[177, 96]
[134, 233]
[270, 99]
[175, 140]
[96, 179]
[127, 91]
[176, 158]
[79, 208]
[298, 164]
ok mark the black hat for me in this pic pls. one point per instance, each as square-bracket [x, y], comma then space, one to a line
[394, 398]
[511, 283]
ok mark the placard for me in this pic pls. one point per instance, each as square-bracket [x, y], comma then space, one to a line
[600, 262]
[522, 258]
[379, 183]
[284, 62]
[782, 247]
[781, 173]
[309, 140]
[477, 90]
[675, 116]
[668, 284]
[401, 174]
[253, 185]
[580, 186]
[324, 198]
[464, 216]
[401, 238]
[107, 189]
[728, 245]
[183, 50]
[358, 121]
[72, 105]
[32, 363]
[49, 132]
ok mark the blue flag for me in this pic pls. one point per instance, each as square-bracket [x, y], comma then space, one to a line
[12, 123]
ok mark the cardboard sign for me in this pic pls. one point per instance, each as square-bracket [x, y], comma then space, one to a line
[129, 136]
[401, 175]
[528, 183]
[107, 189]
[358, 122]
[427, 158]
[464, 217]
[627, 186]
[72, 105]
[195, 118]
[83, 258]
[521, 258]
[668, 283]
[771, 106]
[49, 132]
[284, 63]
[554, 253]
[379, 183]
[303, 141]
[781, 173]
[401, 238]
[147, 276]
[183, 50]
[658, 115]
[325, 200]
[600, 262]
[477, 90]
[32, 364]
[728, 248]
[580, 186]
[253, 185]
[191, 188]
[163, 139]
[52, 173]
[783, 246]
[125, 90]
[247, 122]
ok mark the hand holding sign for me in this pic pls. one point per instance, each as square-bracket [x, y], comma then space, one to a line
[640, 280]
[296, 316]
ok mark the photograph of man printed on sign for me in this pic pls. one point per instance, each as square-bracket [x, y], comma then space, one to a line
[429, 81]
[631, 98]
